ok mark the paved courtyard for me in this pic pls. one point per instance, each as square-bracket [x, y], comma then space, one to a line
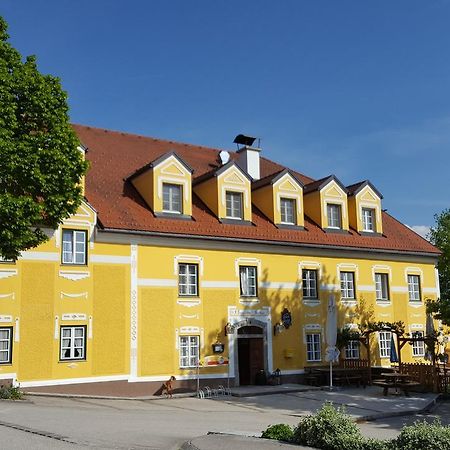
[49, 422]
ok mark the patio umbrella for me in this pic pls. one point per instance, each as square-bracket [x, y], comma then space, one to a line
[332, 353]
[429, 333]
[393, 353]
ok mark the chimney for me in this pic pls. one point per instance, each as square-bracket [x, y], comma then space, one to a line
[248, 156]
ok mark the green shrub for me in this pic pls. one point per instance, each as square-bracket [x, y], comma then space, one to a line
[423, 436]
[280, 432]
[329, 429]
[10, 392]
[375, 444]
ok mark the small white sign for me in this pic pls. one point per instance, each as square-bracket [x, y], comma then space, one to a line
[6, 319]
[73, 316]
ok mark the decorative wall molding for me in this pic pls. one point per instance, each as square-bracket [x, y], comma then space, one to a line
[80, 295]
[6, 273]
[17, 330]
[193, 259]
[11, 295]
[134, 310]
[247, 262]
[6, 319]
[109, 259]
[189, 302]
[74, 275]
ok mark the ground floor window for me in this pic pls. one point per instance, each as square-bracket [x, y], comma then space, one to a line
[189, 351]
[385, 343]
[352, 350]
[73, 343]
[5, 345]
[313, 347]
[418, 347]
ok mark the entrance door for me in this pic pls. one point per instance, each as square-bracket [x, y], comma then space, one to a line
[250, 354]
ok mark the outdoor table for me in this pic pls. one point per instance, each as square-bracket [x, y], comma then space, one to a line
[397, 381]
[341, 374]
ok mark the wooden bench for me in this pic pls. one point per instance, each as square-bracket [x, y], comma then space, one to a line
[347, 379]
[404, 386]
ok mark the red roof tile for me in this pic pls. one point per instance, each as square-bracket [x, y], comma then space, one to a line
[115, 155]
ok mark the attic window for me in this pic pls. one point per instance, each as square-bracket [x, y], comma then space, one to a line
[172, 195]
[287, 206]
[368, 219]
[234, 205]
[334, 216]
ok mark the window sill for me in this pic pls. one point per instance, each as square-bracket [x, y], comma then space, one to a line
[192, 301]
[63, 264]
[383, 302]
[249, 300]
[335, 230]
[370, 234]
[348, 301]
[314, 361]
[311, 301]
[229, 221]
[289, 226]
[68, 361]
[172, 215]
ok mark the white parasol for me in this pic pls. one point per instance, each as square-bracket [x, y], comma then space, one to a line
[332, 353]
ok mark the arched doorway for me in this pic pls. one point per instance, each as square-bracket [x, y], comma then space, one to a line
[250, 349]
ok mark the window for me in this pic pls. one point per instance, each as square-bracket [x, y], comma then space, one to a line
[248, 281]
[382, 286]
[188, 279]
[189, 351]
[313, 347]
[74, 247]
[352, 350]
[418, 347]
[287, 206]
[234, 205]
[385, 343]
[347, 285]
[368, 219]
[414, 288]
[334, 215]
[309, 278]
[6, 345]
[172, 198]
[73, 343]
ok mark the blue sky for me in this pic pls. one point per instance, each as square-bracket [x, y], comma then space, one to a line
[358, 89]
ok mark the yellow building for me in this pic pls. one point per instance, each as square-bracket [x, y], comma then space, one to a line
[182, 253]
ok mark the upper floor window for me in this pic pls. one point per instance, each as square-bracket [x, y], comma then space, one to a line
[418, 347]
[287, 206]
[309, 279]
[234, 205]
[73, 343]
[414, 288]
[313, 352]
[352, 350]
[384, 338]
[334, 215]
[6, 345]
[172, 198]
[382, 286]
[74, 247]
[347, 285]
[188, 279]
[248, 281]
[189, 351]
[368, 219]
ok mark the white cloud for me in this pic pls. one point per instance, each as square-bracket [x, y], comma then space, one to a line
[421, 230]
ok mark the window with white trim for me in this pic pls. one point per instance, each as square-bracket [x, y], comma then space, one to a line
[6, 345]
[288, 211]
[352, 350]
[382, 287]
[187, 279]
[414, 288]
[313, 350]
[347, 285]
[334, 215]
[74, 246]
[172, 198]
[189, 351]
[73, 343]
[418, 347]
[309, 281]
[248, 281]
[368, 219]
[234, 205]
[384, 340]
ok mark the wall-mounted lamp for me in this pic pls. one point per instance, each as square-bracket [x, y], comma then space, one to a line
[278, 328]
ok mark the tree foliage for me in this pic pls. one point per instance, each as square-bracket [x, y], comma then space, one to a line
[40, 165]
[440, 237]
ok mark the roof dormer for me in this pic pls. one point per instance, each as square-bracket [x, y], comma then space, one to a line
[165, 185]
[280, 198]
[326, 203]
[364, 205]
[227, 192]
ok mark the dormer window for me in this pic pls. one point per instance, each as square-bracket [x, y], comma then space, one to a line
[368, 219]
[288, 211]
[234, 205]
[334, 216]
[172, 198]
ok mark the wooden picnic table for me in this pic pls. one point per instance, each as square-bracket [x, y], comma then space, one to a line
[396, 380]
[342, 375]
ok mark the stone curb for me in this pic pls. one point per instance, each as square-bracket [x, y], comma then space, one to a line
[108, 397]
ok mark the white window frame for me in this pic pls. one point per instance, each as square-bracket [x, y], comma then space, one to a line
[334, 216]
[309, 284]
[234, 205]
[187, 280]
[313, 347]
[288, 211]
[418, 347]
[384, 343]
[368, 219]
[189, 351]
[169, 203]
[248, 281]
[382, 287]
[347, 285]
[7, 343]
[72, 346]
[70, 254]
[414, 294]
[352, 349]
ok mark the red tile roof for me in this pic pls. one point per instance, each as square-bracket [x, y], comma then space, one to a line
[115, 155]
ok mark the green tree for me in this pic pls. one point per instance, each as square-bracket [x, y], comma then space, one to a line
[40, 164]
[440, 237]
